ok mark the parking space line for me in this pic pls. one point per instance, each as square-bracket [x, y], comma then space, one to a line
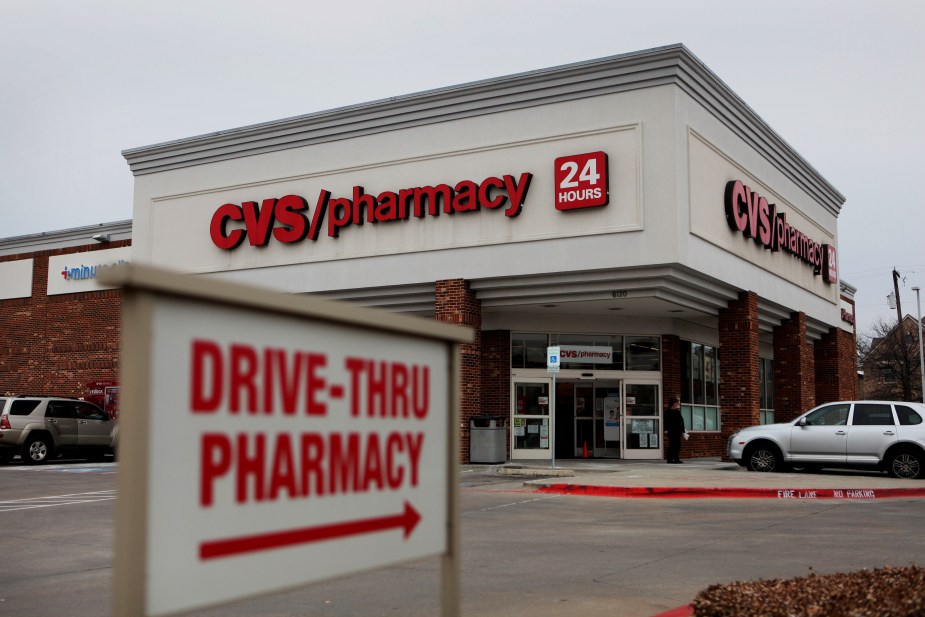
[12, 505]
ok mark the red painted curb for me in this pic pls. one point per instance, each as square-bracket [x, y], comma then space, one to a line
[681, 611]
[730, 493]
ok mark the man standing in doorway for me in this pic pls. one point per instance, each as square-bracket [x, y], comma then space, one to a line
[674, 426]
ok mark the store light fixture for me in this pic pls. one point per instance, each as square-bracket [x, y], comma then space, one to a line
[101, 237]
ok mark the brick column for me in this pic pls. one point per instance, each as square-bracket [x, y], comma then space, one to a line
[836, 367]
[455, 303]
[671, 368]
[794, 374]
[496, 376]
[739, 390]
[496, 372]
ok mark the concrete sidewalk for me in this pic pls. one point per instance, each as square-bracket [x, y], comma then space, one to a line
[702, 478]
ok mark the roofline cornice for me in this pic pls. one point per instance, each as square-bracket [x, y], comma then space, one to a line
[75, 236]
[669, 65]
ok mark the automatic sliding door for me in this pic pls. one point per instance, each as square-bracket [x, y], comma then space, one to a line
[608, 416]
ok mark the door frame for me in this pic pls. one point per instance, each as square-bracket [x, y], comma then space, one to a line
[623, 378]
[531, 453]
[626, 424]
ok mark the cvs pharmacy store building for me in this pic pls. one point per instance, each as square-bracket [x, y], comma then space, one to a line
[632, 210]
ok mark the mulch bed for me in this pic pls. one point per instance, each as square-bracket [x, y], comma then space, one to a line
[881, 592]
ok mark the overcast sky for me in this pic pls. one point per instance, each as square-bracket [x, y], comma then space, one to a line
[843, 81]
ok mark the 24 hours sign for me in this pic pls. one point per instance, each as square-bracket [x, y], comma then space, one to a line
[581, 181]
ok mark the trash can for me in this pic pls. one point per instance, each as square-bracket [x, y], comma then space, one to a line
[487, 439]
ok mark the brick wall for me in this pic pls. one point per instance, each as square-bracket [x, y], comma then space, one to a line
[671, 368]
[836, 367]
[55, 344]
[455, 303]
[496, 376]
[739, 393]
[794, 373]
[703, 445]
[496, 372]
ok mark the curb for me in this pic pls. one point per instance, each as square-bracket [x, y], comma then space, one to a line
[726, 493]
[510, 470]
[681, 611]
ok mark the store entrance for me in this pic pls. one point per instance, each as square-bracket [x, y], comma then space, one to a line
[588, 419]
[593, 418]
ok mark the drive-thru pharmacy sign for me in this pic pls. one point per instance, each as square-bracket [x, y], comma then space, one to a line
[271, 440]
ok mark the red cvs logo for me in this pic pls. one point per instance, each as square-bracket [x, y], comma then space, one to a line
[581, 181]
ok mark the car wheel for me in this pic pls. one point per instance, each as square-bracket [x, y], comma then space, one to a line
[37, 450]
[764, 458]
[905, 464]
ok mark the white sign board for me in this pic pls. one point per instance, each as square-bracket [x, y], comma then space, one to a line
[586, 355]
[16, 279]
[553, 360]
[79, 272]
[281, 450]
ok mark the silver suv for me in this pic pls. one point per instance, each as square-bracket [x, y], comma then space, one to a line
[40, 428]
[882, 435]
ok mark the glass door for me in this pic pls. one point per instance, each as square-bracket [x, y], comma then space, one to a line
[608, 411]
[642, 425]
[530, 419]
[598, 413]
[584, 432]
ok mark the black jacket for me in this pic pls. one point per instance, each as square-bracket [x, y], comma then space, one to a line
[674, 422]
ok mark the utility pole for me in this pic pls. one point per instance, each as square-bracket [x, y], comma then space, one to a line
[899, 306]
[918, 318]
[905, 375]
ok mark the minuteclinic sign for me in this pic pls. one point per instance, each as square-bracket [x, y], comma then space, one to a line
[316, 442]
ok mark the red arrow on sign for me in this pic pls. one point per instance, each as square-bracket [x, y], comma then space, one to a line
[212, 549]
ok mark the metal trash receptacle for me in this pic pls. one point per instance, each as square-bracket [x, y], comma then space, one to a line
[487, 439]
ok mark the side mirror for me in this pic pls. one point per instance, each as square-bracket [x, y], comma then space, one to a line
[801, 422]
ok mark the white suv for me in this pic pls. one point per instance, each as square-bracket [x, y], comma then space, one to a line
[40, 428]
[882, 435]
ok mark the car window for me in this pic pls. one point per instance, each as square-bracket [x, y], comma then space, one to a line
[87, 411]
[59, 409]
[907, 415]
[23, 407]
[872, 414]
[830, 415]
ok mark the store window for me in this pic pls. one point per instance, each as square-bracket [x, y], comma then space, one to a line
[766, 381]
[631, 353]
[643, 353]
[700, 386]
[528, 350]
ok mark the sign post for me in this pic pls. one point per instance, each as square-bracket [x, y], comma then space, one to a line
[316, 441]
[553, 364]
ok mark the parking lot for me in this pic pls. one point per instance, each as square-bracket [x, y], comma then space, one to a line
[523, 552]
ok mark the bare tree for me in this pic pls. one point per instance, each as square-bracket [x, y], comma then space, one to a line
[889, 355]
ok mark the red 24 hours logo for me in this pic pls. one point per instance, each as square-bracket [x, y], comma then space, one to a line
[581, 181]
